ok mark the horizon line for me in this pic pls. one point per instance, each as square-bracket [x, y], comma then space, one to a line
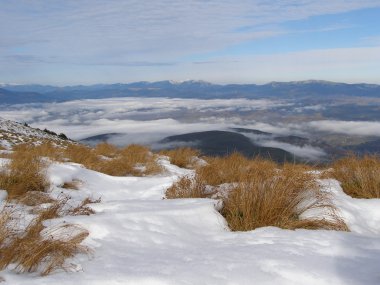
[174, 82]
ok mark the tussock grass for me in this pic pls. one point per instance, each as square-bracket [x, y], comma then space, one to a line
[106, 149]
[231, 168]
[187, 187]
[281, 198]
[81, 154]
[359, 177]
[134, 159]
[262, 193]
[182, 157]
[35, 198]
[73, 184]
[45, 149]
[25, 172]
[83, 208]
[37, 248]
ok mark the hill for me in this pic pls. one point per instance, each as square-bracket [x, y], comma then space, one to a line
[222, 143]
[13, 133]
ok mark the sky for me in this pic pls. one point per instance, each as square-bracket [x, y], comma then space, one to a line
[222, 41]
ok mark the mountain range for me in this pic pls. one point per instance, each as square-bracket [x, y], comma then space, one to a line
[16, 94]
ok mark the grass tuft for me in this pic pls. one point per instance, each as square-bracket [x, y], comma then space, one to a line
[73, 184]
[288, 198]
[184, 157]
[35, 198]
[25, 172]
[258, 193]
[359, 177]
[37, 248]
[231, 168]
[187, 187]
[83, 208]
[134, 160]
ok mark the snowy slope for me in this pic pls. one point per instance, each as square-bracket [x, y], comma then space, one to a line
[139, 238]
[12, 133]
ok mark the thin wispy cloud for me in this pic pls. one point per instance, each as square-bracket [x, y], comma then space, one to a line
[113, 40]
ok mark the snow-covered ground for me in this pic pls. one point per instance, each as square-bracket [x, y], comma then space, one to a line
[12, 133]
[140, 238]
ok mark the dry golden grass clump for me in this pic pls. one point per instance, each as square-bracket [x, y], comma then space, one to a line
[35, 198]
[280, 198]
[182, 157]
[262, 193]
[187, 187]
[133, 159]
[359, 177]
[37, 248]
[49, 149]
[106, 149]
[231, 168]
[24, 173]
[106, 158]
[73, 184]
[83, 209]
[81, 154]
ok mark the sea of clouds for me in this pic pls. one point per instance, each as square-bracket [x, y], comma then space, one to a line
[148, 120]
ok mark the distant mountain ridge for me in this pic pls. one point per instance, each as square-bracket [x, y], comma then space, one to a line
[15, 94]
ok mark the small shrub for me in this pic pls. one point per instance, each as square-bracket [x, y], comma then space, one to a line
[359, 177]
[182, 157]
[63, 136]
[50, 132]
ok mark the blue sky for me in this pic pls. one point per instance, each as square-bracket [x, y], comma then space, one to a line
[224, 41]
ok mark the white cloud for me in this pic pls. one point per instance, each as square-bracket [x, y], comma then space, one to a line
[306, 151]
[83, 118]
[139, 34]
[360, 128]
[360, 64]
[134, 27]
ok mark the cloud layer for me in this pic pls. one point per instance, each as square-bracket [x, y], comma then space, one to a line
[148, 120]
[105, 39]
[359, 128]
[80, 119]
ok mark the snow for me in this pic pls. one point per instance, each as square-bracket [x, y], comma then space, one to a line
[12, 133]
[138, 237]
